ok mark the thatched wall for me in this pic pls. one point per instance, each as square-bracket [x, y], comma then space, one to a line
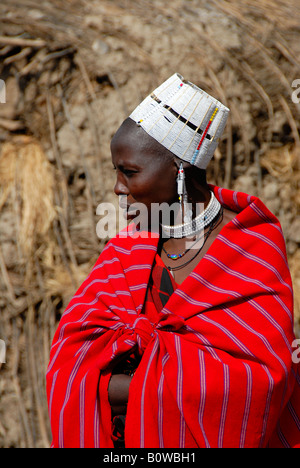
[73, 70]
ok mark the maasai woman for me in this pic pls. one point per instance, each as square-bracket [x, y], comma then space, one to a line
[182, 335]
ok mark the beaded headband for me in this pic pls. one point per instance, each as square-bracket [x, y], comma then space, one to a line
[184, 119]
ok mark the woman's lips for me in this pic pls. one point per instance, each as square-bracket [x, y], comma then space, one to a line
[127, 209]
[123, 203]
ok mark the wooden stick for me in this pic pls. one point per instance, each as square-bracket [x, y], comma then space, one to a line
[15, 358]
[229, 156]
[66, 202]
[31, 340]
[14, 58]
[80, 148]
[90, 192]
[90, 112]
[293, 125]
[19, 41]
[11, 125]
[62, 252]
[6, 278]
[65, 232]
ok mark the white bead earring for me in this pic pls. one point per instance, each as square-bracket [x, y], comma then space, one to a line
[183, 196]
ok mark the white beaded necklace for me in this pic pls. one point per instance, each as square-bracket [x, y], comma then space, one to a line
[197, 224]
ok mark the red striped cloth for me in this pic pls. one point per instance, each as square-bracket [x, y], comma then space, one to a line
[216, 368]
[160, 288]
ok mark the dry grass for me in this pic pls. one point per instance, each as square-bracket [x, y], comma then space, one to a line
[111, 54]
[27, 176]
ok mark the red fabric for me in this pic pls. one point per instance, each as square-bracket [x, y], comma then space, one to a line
[216, 368]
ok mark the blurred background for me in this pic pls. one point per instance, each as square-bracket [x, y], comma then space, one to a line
[74, 70]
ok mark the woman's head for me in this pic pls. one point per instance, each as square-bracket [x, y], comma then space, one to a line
[147, 171]
[177, 123]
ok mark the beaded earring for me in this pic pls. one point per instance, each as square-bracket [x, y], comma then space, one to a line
[183, 196]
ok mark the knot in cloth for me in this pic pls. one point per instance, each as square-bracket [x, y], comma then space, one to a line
[145, 331]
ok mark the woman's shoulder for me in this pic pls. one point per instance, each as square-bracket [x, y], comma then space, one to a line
[228, 215]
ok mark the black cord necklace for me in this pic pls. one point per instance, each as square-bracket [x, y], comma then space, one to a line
[177, 256]
[212, 226]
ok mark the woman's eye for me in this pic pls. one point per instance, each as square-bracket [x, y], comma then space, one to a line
[129, 172]
[123, 170]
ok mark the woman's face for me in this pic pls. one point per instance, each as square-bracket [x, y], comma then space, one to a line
[144, 175]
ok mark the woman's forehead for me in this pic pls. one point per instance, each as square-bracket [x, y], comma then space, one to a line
[128, 149]
[130, 135]
[132, 143]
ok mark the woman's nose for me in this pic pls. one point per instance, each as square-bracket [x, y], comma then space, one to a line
[120, 188]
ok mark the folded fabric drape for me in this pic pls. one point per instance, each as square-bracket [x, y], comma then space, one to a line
[216, 367]
[160, 288]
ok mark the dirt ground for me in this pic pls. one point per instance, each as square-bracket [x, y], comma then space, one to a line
[73, 71]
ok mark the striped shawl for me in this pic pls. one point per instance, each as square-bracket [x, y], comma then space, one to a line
[216, 368]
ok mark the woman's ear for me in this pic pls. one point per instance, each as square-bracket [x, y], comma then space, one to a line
[176, 165]
[186, 166]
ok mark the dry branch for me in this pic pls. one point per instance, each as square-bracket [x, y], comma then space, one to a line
[19, 41]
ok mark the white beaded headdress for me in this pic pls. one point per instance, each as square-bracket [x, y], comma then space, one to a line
[184, 119]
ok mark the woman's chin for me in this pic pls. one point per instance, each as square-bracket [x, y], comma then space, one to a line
[128, 215]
